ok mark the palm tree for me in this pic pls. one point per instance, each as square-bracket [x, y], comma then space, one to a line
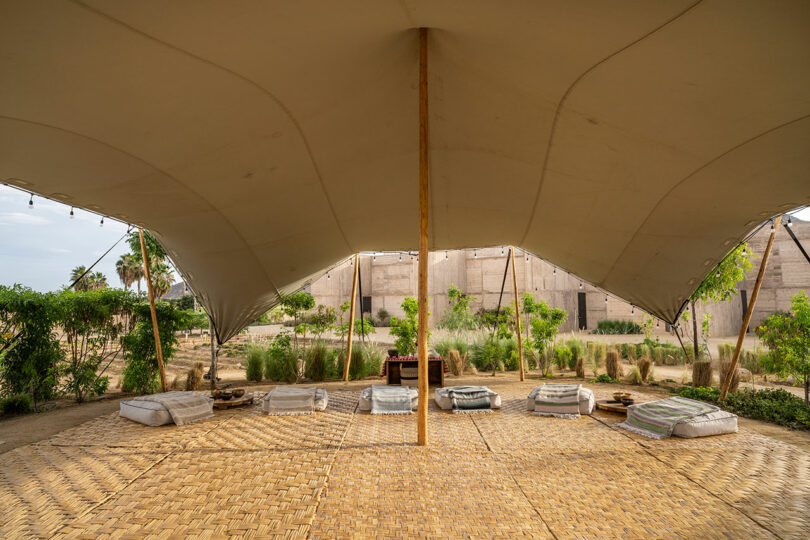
[162, 279]
[83, 284]
[96, 281]
[129, 270]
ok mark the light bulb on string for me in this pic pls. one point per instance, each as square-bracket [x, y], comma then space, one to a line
[446, 256]
[580, 284]
[790, 222]
[400, 257]
[606, 299]
[31, 202]
[772, 229]
[328, 276]
[475, 254]
[632, 310]
[71, 213]
[555, 271]
[657, 324]
[101, 223]
[501, 250]
[743, 252]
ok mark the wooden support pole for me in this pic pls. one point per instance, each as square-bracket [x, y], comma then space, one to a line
[517, 313]
[750, 311]
[351, 321]
[421, 341]
[152, 310]
[212, 370]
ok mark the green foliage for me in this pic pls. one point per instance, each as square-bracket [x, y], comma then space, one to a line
[609, 326]
[721, 282]
[255, 364]
[788, 338]
[777, 406]
[604, 378]
[406, 330]
[296, 304]
[562, 356]
[458, 316]
[322, 320]
[383, 317]
[16, 404]
[154, 250]
[280, 362]
[577, 349]
[316, 358]
[495, 353]
[141, 372]
[544, 322]
[29, 348]
[94, 324]
[500, 323]
[362, 327]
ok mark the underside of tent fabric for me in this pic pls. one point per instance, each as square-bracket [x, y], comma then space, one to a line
[632, 143]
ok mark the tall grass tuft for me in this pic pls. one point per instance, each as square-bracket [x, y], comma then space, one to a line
[316, 358]
[255, 363]
[613, 365]
[644, 366]
[702, 374]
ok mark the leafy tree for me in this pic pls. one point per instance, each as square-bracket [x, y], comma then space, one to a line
[323, 319]
[788, 338]
[361, 326]
[129, 271]
[94, 324]
[162, 279]
[721, 283]
[141, 372]
[545, 322]
[154, 250]
[29, 348]
[500, 322]
[458, 316]
[96, 281]
[295, 305]
[406, 330]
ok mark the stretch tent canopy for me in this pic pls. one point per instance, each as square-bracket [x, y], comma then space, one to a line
[632, 143]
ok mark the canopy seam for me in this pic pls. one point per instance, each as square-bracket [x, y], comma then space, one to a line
[246, 79]
[568, 92]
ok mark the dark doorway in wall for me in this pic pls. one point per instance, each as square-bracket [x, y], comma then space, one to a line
[744, 298]
[582, 310]
[366, 304]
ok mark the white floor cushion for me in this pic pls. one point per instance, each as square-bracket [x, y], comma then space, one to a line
[586, 400]
[442, 399]
[321, 401]
[149, 413]
[365, 398]
[705, 425]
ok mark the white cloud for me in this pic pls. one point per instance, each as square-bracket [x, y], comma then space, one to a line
[23, 218]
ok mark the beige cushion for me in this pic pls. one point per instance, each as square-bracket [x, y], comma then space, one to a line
[586, 400]
[705, 425]
[365, 398]
[442, 398]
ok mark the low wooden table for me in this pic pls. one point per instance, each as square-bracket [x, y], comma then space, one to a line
[222, 404]
[393, 365]
[606, 405]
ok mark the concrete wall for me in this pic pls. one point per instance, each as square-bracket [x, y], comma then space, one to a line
[389, 278]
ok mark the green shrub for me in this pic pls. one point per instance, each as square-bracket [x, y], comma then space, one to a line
[577, 349]
[373, 358]
[777, 406]
[316, 358]
[255, 364]
[562, 356]
[609, 326]
[16, 404]
[604, 378]
[280, 361]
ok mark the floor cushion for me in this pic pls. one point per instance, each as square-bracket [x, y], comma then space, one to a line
[586, 400]
[365, 398]
[705, 425]
[149, 413]
[321, 401]
[442, 399]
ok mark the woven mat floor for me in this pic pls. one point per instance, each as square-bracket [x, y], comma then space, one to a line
[342, 473]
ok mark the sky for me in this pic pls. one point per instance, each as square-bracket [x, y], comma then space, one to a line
[40, 247]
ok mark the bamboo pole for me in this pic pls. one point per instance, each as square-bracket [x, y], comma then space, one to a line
[421, 341]
[351, 321]
[151, 292]
[517, 313]
[750, 311]
[212, 370]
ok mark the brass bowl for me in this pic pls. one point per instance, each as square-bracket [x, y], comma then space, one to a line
[225, 395]
[215, 393]
[627, 401]
[618, 396]
[239, 392]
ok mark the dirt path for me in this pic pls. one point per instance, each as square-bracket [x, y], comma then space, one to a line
[31, 428]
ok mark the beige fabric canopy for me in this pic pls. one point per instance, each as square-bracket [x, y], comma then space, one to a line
[632, 144]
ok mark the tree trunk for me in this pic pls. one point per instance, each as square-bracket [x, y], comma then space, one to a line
[806, 391]
[694, 331]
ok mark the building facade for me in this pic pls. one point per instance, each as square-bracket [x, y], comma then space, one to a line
[387, 278]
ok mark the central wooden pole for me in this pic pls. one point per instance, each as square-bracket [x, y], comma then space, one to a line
[517, 313]
[421, 341]
[351, 321]
[750, 311]
[152, 310]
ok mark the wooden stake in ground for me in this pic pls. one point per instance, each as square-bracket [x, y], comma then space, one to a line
[151, 292]
[517, 312]
[750, 310]
[351, 321]
[212, 371]
[421, 341]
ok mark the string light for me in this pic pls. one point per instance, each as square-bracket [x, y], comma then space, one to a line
[580, 284]
[101, 223]
[400, 257]
[632, 309]
[606, 299]
[446, 256]
[743, 252]
[71, 213]
[790, 222]
[555, 271]
[328, 276]
[475, 253]
[501, 250]
[31, 202]
[373, 258]
[658, 324]
[527, 257]
[772, 229]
